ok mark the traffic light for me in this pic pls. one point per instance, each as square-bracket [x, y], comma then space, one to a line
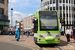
[63, 21]
[33, 21]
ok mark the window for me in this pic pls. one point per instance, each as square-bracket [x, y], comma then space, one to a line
[2, 1]
[69, 8]
[53, 1]
[50, 1]
[1, 11]
[72, 1]
[60, 7]
[56, 8]
[67, 15]
[74, 9]
[46, 3]
[63, 7]
[64, 15]
[53, 8]
[69, 1]
[63, 1]
[50, 8]
[41, 0]
[48, 20]
[66, 7]
[61, 15]
[60, 1]
[66, 1]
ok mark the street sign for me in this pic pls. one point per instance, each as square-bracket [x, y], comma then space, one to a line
[11, 26]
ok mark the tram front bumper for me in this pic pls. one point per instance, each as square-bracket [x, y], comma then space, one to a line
[48, 41]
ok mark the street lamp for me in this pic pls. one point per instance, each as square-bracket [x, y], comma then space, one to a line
[11, 17]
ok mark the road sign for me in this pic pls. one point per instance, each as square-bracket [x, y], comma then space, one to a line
[11, 26]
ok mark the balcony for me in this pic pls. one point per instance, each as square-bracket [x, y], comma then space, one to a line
[4, 18]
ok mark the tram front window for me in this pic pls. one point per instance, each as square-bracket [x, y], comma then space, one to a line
[48, 20]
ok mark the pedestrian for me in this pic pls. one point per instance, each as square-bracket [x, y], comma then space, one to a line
[74, 33]
[17, 34]
[28, 33]
[10, 32]
[68, 33]
[0, 32]
[22, 32]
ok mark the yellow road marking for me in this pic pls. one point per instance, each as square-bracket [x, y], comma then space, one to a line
[19, 45]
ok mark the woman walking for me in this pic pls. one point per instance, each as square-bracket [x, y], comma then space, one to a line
[17, 34]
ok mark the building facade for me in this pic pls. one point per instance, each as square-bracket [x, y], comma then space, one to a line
[65, 8]
[26, 23]
[4, 22]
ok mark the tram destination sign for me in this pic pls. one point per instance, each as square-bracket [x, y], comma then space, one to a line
[48, 12]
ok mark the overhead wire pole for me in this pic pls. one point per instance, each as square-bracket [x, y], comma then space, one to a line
[11, 17]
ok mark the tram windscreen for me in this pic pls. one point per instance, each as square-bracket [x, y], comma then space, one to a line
[48, 20]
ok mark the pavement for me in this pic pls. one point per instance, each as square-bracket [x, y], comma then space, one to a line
[29, 42]
[8, 46]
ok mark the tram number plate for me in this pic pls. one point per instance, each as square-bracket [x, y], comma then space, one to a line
[48, 34]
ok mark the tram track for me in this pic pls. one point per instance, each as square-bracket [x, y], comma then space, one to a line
[51, 46]
[59, 47]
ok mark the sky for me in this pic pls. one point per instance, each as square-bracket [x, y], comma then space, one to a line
[22, 9]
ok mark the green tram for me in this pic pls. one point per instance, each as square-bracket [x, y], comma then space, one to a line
[46, 27]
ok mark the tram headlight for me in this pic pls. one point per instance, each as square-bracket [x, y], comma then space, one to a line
[41, 36]
[57, 36]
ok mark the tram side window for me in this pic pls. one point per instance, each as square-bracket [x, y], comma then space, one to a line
[36, 26]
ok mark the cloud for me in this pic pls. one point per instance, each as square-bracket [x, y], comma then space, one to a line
[17, 16]
[22, 8]
[12, 2]
[30, 14]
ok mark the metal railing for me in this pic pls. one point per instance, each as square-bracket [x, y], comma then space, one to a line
[3, 16]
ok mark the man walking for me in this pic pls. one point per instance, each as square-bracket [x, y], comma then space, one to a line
[68, 33]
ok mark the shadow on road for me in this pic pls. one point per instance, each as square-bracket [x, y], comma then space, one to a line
[62, 43]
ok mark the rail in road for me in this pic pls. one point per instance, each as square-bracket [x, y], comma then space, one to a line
[18, 44]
